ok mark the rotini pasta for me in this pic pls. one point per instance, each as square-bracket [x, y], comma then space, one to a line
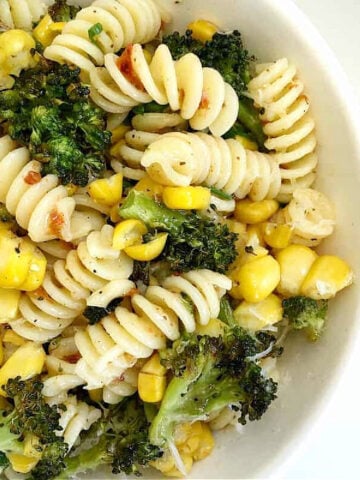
[289, 127]
[93, 274]
[174, 159]
[199, 94]
[310, 214]
[40, 205]
[21, 13]
[113, 345]
[123, 22]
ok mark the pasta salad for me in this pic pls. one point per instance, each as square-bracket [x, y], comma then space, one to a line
[158, 234]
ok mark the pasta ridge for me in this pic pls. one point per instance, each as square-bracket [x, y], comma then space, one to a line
[199, 94]
[21, 13]
[289, 126]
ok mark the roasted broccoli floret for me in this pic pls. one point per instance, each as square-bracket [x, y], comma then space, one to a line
[95, 314]
[28, 413]
[119, 439]
[49, 111]
[60, 11]
[226, 54]
[209, 374]
[306, 314]
[193, 241]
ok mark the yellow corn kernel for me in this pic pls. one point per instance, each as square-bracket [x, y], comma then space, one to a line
[47, 30]
[148, 56]
[96, 395]
[146, 252]
[186, 198]
[214, 328]
[107, 191]
[15, 259]
[257, 279]
[188, 463]
[327, 276]
[119, 133]
[182, 433]
[192, 441]
[22, 463]
[202, 30]
[255, 235]
[114, 213]
[27, 361]
[246, 143]
[71, 189]
[151, 387]
[153, 366]
[277, 235]
[150, 187]
[165, 463]
[32, 446]
[9, 301]
[255, 316]
[249, 254]
[206, 444]
[295, 262]
[36, 274]
[239, 228]
[250, 212]
[15, 40]
[127, 233]
[11, 337]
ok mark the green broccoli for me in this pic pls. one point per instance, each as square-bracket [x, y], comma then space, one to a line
[28, 413]
[306, 314]
[49, 110]
[95, 314]
[209, 374]
[193, 241]
[118, 439]
[226, 54]
[60, 11]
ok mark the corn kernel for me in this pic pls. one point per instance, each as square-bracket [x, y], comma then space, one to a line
[14, 41]
[150, 187]
[47, 30]
[214, 328]
[22, 463]
[27, 361]
[146, 252]
[165, 463]
[114, 214]
[151, 388]
[36, 274]
[153, 366]
[202, 30]
[295, 262]
[12, 337]
[186, 198]
[327, 276]
[9, 301]
[119, 133]
[15, 259]
[96, 394]
[249, 254]
[257, 279]
[127, 233]
[206, 444]
[246, 143]
[107, 191]
[277, 236]
[255, 316]
[32, 446]
[250, 212]
[148, 56]
[255, 235]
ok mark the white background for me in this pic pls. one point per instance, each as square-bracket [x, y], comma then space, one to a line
[333, 449]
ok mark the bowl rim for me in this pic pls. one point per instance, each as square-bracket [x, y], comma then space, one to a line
[292, 14]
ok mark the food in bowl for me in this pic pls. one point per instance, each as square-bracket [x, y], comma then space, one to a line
[158, 231]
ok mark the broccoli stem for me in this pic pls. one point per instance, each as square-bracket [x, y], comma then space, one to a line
[9, 441]
[249, 117]
[140, 206]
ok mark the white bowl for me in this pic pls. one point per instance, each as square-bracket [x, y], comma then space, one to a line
[272, 29]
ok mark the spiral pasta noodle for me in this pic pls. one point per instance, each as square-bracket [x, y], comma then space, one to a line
[112, 347]
[289, 127]
[123, 22]
[93, 274]
[199, 94]
[21, 13]
[40, 205]
[182, 159]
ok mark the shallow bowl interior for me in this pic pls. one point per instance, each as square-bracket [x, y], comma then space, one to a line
[272, 29]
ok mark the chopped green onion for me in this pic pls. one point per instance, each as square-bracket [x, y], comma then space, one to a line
[220, 193]
[94, 31]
